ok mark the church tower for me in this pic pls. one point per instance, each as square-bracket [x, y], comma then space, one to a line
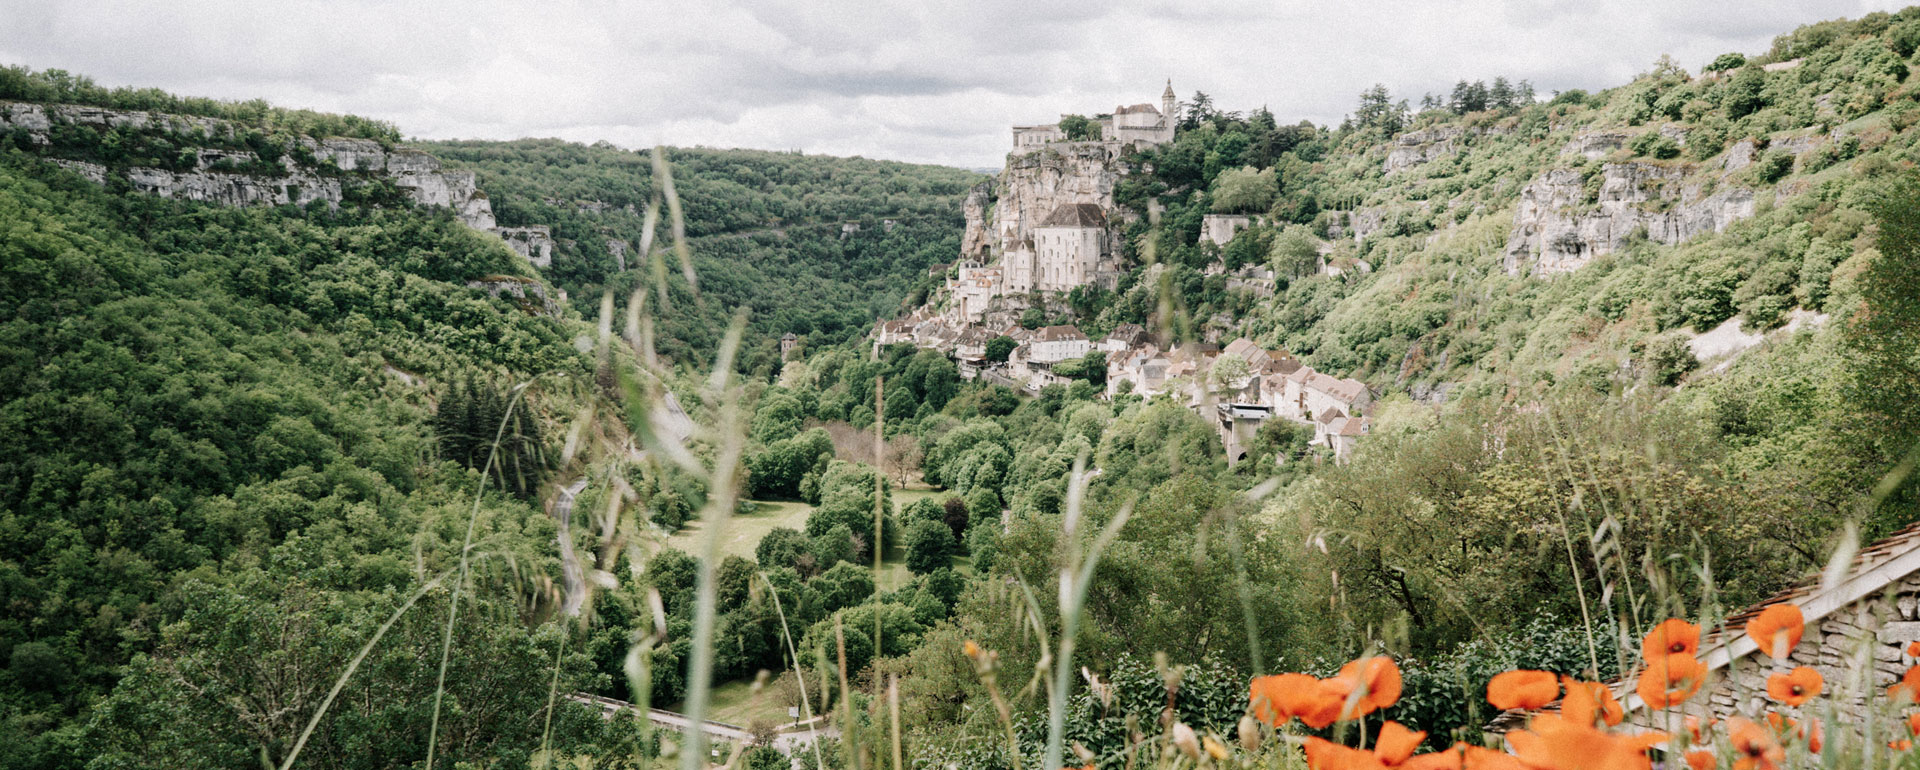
[1167, 102]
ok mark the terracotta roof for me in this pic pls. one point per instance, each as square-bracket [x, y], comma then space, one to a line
[1075, 215]
[1240, 347]
[1351, 426]
[1327, 417]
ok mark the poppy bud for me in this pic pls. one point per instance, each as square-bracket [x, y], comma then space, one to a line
[1186, 741]
[1249, 733]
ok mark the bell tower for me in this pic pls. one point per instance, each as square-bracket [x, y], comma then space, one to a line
[1167, 102]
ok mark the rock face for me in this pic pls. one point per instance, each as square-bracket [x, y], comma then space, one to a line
[535, 243]
[216, 178]
[1036, 183]
[1424, 146]
[529, 294]
[1557, 229]
[618, 248]
[977, 243]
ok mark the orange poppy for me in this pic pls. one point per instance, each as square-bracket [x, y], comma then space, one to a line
[1795, 687]
[1913, 650]
[1587, 701]
[1907, 690]
[1701, 760]
[1328, 705]
[1697, 729]
[1783, 726]
[1670, 681]
[1323, 754]
[1376, 678]
[1553, 742]
[1481, 758]
[1777, 630]
[1900, 745]
[1913, 723]
[1755, 747]
[1673, 636]
[1395, 743]
[1522, 689]
[1281, 697]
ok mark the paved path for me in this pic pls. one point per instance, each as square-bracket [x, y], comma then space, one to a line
[787, 743]
[569, 561]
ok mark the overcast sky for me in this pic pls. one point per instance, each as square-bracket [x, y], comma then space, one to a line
[919, 80]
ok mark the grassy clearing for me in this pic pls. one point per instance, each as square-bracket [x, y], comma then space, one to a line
[738, 703]
[743, 532]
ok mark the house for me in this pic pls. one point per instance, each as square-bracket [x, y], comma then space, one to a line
[1124, 337]
[1053, 344]
[1857, 625]
[1238, 423]
[971, 345]
[1343, 435]
[890, 332]
[788, 342]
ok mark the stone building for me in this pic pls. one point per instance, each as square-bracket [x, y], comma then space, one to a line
[1068, 245]
[1053, 344]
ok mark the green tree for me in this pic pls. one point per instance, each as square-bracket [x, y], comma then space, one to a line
[1000, 347]
[1245, 190]
[929, 545]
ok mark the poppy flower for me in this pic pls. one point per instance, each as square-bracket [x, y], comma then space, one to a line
[1907, 690]
[1673, 636]
[1795, 687]
[1754, 747]
[1697, 729]
[1522, 689]
[1327, 704]
[1900, 745]
[1377, 679]
[1396, 743]
[1777, 630]
[1671, 681]
[1281, 697]
[1701, 760]
[1553, 742]
[1587, 701]
[1913, 650]
[1481, 758]
[1783, 727]
[1913, 723]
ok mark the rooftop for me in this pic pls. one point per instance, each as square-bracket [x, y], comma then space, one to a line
[1075, 215]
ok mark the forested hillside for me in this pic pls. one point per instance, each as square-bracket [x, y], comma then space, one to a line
[220, 473]
[771, 232]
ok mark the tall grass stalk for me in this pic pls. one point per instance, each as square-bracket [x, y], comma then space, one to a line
[340, 683]
[466, 546]
[719, 507]
[1075, 575]
[799, 675]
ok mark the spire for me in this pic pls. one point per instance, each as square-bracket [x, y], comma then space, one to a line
[1168, 94]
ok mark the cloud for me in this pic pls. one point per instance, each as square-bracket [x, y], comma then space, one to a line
[924, 80]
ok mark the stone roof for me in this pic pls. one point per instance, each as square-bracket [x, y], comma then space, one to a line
[1348, 390]
[1327, 417]
[1240, 347]
[1349, 426]
[1059, 333]
[1075, 215]
[1874, 568]
[1136, 108]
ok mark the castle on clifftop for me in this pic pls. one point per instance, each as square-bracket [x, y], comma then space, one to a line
[1048, 223]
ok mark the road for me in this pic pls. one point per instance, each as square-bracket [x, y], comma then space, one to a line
[574, 578]
[787, 743]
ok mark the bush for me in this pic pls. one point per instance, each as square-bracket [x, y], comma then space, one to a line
[1669, 359]
[1772, 167]
[929, 546]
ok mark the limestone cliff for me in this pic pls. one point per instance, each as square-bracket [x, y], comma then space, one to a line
[1036, 183]
[232, 177]
[1558, 228]
[976, 243]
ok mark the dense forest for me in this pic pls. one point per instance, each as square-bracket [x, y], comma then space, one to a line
[813, 246]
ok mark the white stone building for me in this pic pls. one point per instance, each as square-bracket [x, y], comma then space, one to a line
[1068, 245]
[1053, 344]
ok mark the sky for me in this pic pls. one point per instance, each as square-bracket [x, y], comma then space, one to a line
[931, 81]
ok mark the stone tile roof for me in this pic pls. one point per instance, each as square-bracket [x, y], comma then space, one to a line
[1075, 215]
[1059, 333]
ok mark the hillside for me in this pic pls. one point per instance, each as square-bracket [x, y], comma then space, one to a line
[810, 245]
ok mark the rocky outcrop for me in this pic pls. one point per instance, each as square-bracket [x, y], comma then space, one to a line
[1557, 229]
[618, 248]
[535, 243]
[977, 243]
[530, 295]
[1424, 146]
[218, 177]
[1034, 184]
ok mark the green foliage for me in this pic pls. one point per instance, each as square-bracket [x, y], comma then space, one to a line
[929, 545]
[764, 229]
[55, 86]
[1244, 190]
[1079, 128]
[999, 348]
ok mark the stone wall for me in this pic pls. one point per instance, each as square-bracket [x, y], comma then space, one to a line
[1866, 639]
